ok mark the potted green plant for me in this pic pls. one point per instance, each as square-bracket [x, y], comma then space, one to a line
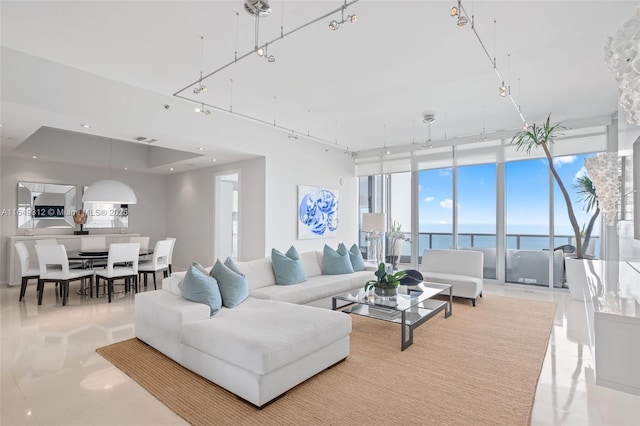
[575, 267]
[535, 136]
[587, 193]
[385, 284]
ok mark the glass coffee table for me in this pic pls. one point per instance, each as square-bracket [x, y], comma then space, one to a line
[412, 307]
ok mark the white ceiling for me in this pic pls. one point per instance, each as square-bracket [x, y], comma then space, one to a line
[364, 86]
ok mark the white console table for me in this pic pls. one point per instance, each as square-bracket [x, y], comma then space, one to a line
[614, 326]
[71, 242]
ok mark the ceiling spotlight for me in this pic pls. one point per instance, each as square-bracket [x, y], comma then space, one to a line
[271, 58]
[462, 21]
[334, 25]
[353, 18]
[86, 126]
[199, 89]
[454, 11]
[200, 148]
[260, 51]
[502, 90]
[202, 110]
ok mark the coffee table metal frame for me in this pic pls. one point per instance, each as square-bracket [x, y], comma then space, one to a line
[413, 306]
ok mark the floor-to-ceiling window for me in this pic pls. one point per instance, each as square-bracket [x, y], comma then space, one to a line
[489, 196]
[527, 221]
[477, 212]
[435, 209]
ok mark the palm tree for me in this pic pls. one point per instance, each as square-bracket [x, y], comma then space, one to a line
[589, 199]
[541, 136]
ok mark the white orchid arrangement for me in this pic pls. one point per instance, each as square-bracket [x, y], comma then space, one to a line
[397, 234]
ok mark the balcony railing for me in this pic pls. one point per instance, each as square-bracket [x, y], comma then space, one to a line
[527, 255]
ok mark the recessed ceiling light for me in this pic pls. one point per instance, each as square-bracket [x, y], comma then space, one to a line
[126, 168]
[86, 126]
[200, 148]
[1, 124]
[214, 160]
[34, 157]
[171, 169]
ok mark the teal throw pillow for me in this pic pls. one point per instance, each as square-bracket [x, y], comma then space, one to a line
[231, 264]
[199, 287]
[233, 286]
[287, 267]
[356, 258]
[200, 267]
[336, 262]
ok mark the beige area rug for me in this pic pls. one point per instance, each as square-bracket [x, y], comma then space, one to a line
[479, 366]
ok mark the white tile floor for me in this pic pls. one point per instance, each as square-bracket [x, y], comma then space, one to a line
[52, 375]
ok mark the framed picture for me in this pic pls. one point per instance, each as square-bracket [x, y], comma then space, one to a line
[317, 212]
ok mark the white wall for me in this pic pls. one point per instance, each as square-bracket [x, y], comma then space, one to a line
[190, 212]
[296, 162]
[268, 198]
[148, 217]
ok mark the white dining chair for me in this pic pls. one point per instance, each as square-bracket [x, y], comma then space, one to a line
[122, 263]
[173, 244]
[26, 271]
[46, 241]
[93, 243]
[144, 242]
[54, 267]
[159, 262]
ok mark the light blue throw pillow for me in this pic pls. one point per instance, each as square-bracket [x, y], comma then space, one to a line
[233, 286]
[356, 258]
[287, 267]
[336, 262]
[199, 287]
[231, 264]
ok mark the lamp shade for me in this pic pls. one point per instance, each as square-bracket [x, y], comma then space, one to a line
[373, 222]
[109, 191]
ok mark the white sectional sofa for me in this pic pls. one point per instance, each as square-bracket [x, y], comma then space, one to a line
[463, 269]
[264, 346]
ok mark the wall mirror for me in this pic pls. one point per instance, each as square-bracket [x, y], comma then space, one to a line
[104, 216]
[46, 205]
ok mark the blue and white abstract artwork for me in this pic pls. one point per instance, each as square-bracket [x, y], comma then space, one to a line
[317, 212]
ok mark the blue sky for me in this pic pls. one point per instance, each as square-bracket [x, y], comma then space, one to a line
[526, 189]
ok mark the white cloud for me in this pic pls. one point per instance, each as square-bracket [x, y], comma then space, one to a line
[443, 222]
[559, 161]
[445, 172]
[580, 173]
[446, 204]
[429, 199]
[419, 188]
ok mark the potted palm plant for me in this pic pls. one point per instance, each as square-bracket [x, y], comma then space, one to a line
[587, 192]
[535, 136]
[386, 284]
[541, 136]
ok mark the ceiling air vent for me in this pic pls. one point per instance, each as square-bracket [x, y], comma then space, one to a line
[145, 139]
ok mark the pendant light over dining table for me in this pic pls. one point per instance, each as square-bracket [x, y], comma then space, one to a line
[109, 191]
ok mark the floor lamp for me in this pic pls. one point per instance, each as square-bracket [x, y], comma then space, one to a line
[374, 225]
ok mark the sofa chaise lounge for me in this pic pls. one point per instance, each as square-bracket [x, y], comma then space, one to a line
[263, 347]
